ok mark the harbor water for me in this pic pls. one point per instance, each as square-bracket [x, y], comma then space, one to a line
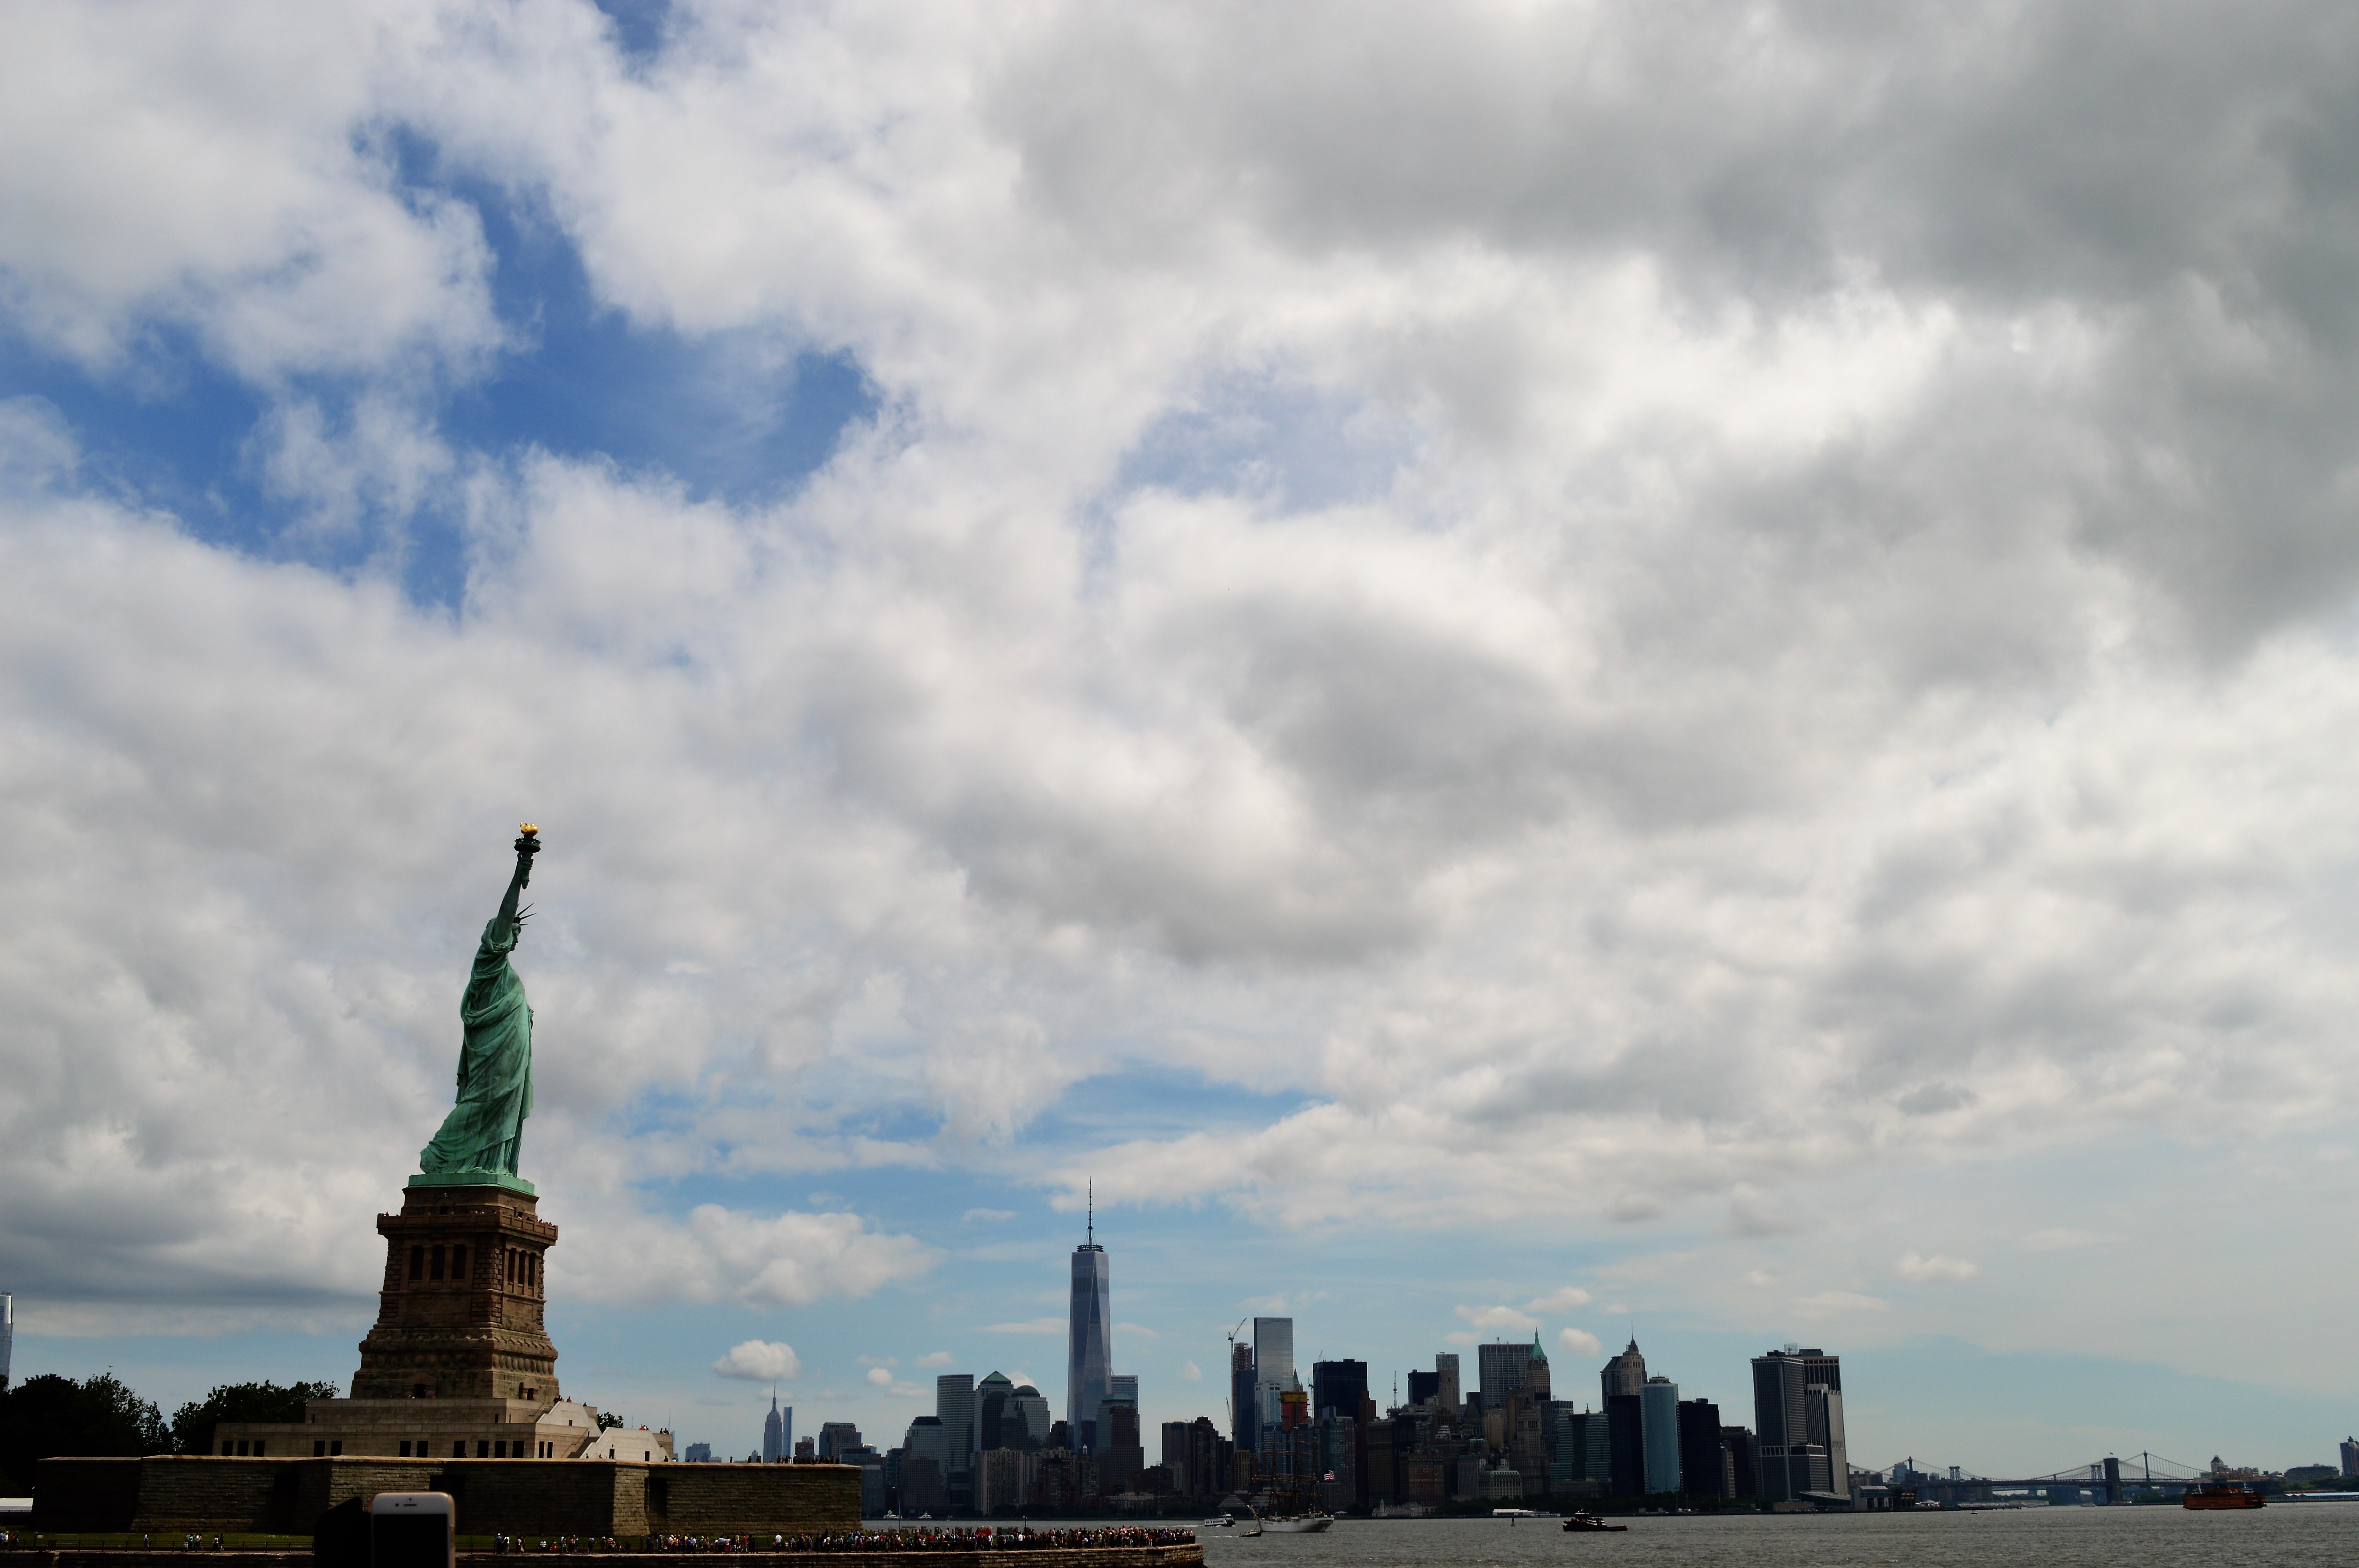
[2282, 1535]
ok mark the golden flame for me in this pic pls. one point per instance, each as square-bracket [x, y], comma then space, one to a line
[527, 829]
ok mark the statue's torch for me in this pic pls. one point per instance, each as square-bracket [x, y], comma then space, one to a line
[528, 845]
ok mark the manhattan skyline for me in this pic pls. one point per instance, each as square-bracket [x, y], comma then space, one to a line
[1508, 668]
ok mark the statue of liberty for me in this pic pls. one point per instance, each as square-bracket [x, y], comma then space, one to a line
[478, 1142]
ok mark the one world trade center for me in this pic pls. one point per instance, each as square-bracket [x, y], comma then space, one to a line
[1089, 1345]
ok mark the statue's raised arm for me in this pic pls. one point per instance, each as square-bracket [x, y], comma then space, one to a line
[507, 925]
[479, 1140]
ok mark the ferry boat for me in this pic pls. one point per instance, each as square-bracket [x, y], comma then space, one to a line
[2223, 1494]
[1583, 1519]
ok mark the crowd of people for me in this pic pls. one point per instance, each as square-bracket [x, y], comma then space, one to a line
[932, 1538]
[985, 1539]
[979, 1538]
[32, 1539]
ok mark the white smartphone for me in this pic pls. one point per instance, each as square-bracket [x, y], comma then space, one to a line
[412, 1529]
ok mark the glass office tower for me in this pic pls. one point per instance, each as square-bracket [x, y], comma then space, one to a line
[1658, 1410]
[1273, 1366]
[1089, 1342]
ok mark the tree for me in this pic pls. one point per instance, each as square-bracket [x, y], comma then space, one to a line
[48, 1416]
[193, 1424]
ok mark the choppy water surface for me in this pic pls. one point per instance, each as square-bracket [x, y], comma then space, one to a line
[2285, 1533]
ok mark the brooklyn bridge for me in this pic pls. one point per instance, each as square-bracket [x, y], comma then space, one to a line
[2112, 1480]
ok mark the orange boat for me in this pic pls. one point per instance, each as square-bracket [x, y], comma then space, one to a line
[2223, 1494]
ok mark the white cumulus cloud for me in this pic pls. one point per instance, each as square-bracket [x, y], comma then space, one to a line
[1580, 1341]
[1497, 1318]
[759, 1361]
[1936, 1268]
[784, 1260]
[1642, 614]
[1569, 1298]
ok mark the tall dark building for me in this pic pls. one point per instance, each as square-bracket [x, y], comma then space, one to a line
[1624, 1374]
[1175, 1452]
[1738, 1441]
[921, 1485]
[1703, 1472]
[1206, 1454]
[1797, 1416]
[1387, 1459]
[954, 1408]
[1507, 1367]
[1337, 1388]
[995, 1422]
[1424, 1388]
[1121, 1455]
[1245, 1429]
[1626, 1446]
[1581, 1454]
[1778, 1419]
[1089, 1343]
[1337, 1443]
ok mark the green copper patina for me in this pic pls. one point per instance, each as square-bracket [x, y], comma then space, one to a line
[477, 1145]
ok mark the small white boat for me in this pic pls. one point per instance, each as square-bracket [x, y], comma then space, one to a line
[1297, 1524]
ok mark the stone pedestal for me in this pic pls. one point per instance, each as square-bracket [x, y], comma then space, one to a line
[459, 1365]
[461, 1313]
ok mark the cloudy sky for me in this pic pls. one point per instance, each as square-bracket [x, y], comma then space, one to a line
[1516, 669]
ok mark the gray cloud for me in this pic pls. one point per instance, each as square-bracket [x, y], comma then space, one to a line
[1643, 612]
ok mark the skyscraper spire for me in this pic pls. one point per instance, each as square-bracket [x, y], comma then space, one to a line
[1092, 1237]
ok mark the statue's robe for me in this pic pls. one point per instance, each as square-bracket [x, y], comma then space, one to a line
[484, 1126]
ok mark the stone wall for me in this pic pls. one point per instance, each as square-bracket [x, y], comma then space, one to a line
[741, 1499]
[566, 1496]
[175, 1494]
